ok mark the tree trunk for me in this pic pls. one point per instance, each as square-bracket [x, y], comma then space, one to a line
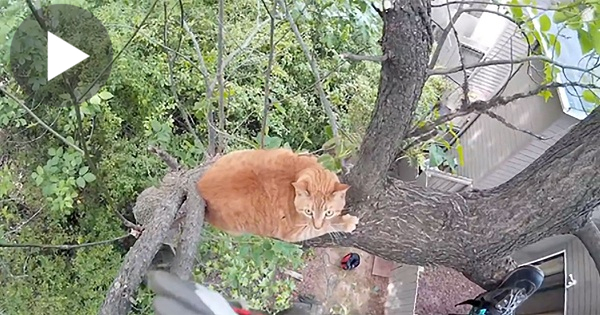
[589, 235]
[473, 232]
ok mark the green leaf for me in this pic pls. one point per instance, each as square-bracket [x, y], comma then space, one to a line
[436, 155]
[273, 142]
[590, 97]
[39, 180]
[559, 17]
[89, 177]
[83, 170]
[585, 41]
[595, 35]
[554, 44]
[80, 182]
[461, 155]
[51, 151]
[327, 161]
[105, 95]
[95, 100]
[546, 95]
[545, 23]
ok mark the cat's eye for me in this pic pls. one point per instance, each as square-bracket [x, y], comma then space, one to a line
[308, 211]
[328, 213]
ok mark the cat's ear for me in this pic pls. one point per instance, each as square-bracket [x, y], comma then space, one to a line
[339, 190]
[301, 188]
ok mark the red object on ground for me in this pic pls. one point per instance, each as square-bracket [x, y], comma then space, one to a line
[241, 311]
[350, 261]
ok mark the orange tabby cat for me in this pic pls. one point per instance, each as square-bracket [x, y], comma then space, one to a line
[274, 193]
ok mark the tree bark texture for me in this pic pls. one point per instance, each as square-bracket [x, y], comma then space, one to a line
[473, 232]
[589, 235]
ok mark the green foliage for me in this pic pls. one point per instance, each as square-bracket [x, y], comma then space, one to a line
[50, 193]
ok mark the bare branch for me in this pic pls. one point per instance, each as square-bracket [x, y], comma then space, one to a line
[513, 5]
[440, 43]
[486, 63]
[481, 106]
[212, 135]
[511, 126]
[64, 246]
[172, 58]
[220, 81]
[446, 32]
[171, 162]
[315, 70]
[39, 121]
[246, 42]
[353, 57]
[267, 105]
[465, 84]
[202, 65]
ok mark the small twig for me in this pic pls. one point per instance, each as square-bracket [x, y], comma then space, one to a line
[20, 226]
[212, 134]
[220, 80]
[513, 5]
[503, 62]
[267, 105]
[39, 121]
[511, 126]
[171, 162]
[353, 57]
[481, 106]
[172, 58]
[465, 85]
[440, 43]
[122, 49]
[64, 246]
[315, 70]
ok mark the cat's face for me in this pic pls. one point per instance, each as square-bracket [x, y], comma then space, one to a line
[319, 204]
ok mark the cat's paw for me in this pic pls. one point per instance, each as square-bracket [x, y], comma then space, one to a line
[350, 223]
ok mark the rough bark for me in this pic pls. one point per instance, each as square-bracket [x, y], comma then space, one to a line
[475, 232]
[173, 214]
[406, 44]
[589, 235]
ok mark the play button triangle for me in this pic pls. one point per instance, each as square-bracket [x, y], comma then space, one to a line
[62, 56]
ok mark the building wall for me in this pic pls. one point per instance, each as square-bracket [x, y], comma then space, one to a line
[487, 143]
[584, 297]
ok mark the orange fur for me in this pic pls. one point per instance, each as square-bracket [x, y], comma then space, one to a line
[274, 193]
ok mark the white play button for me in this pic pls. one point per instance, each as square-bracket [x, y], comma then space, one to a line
[62, 56]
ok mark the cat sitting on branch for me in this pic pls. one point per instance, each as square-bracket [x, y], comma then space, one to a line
[274, 193]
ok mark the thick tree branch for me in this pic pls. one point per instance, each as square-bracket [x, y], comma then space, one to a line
[406, 43]
[589, 235]
[410, 224]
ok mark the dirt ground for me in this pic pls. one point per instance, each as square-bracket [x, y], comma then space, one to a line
[343, 292]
